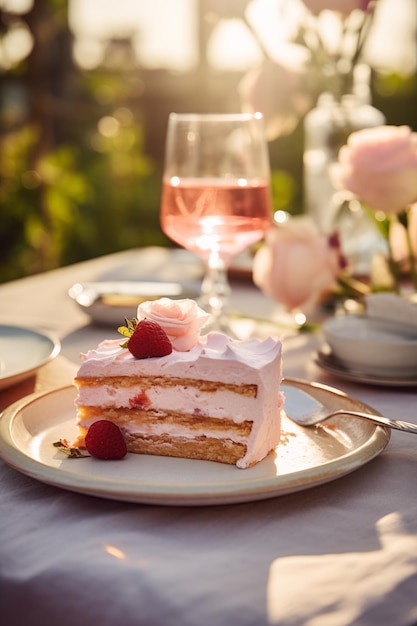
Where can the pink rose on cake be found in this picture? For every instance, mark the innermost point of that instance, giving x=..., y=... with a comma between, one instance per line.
x=182, y=320
x=298, y=263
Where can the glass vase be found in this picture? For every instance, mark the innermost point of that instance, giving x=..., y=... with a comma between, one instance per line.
x=326, y=129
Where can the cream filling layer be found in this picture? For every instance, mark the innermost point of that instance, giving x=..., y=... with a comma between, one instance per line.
x=190, y=400
x=173, y=431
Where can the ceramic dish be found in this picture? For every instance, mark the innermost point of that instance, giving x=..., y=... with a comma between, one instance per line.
x=326, y=360
x=109, y=303
x=305, y=457
x=22, y=352
x=366, y=344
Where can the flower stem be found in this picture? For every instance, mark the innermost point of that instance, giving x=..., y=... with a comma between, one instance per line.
x=353, y=287
x=411, y=257
x=392, y=262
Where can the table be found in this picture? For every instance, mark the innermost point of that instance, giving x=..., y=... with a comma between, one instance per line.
x=338, y=554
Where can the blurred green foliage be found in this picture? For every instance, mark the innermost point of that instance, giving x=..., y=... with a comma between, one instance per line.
x=94, y=196
x=76, y=181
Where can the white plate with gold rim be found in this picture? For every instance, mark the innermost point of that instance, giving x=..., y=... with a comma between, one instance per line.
x=22, y=352
x=306, y=457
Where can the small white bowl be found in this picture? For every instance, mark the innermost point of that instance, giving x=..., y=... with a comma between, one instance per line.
x=369, y=345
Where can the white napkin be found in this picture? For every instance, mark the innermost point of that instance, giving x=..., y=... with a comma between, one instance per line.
x=396, y=311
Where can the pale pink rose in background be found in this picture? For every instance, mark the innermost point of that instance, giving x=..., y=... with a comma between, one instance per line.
x=182, y=320
x=379, y=166
x=297, y=264
x=279, y=94
x=342, y=6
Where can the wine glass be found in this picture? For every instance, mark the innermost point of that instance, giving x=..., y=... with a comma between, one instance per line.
x=216, y=195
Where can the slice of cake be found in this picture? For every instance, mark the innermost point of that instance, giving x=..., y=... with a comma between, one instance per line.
x=210, y=398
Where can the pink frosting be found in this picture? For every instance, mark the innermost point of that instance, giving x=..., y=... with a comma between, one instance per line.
x=182, y=320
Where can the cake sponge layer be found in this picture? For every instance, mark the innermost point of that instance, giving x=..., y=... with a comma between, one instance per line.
x=201, y=448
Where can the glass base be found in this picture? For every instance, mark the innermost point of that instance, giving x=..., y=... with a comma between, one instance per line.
x=215, y=290
x=219, y=325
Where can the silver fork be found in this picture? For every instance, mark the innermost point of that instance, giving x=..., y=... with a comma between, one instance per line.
x=305, y=410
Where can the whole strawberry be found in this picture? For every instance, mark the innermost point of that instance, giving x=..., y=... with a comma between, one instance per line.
x=104, y=440
x=146, y=339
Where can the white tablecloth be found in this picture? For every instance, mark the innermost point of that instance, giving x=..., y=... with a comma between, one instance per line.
x=335, y=555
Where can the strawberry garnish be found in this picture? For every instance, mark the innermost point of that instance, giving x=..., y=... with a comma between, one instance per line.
x=104, y=440
x=146, y=339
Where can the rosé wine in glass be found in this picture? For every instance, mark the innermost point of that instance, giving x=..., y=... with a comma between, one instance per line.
x=216, y=194
x=232, y=215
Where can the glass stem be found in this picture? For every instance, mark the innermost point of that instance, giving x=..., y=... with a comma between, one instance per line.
x=215, y=290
